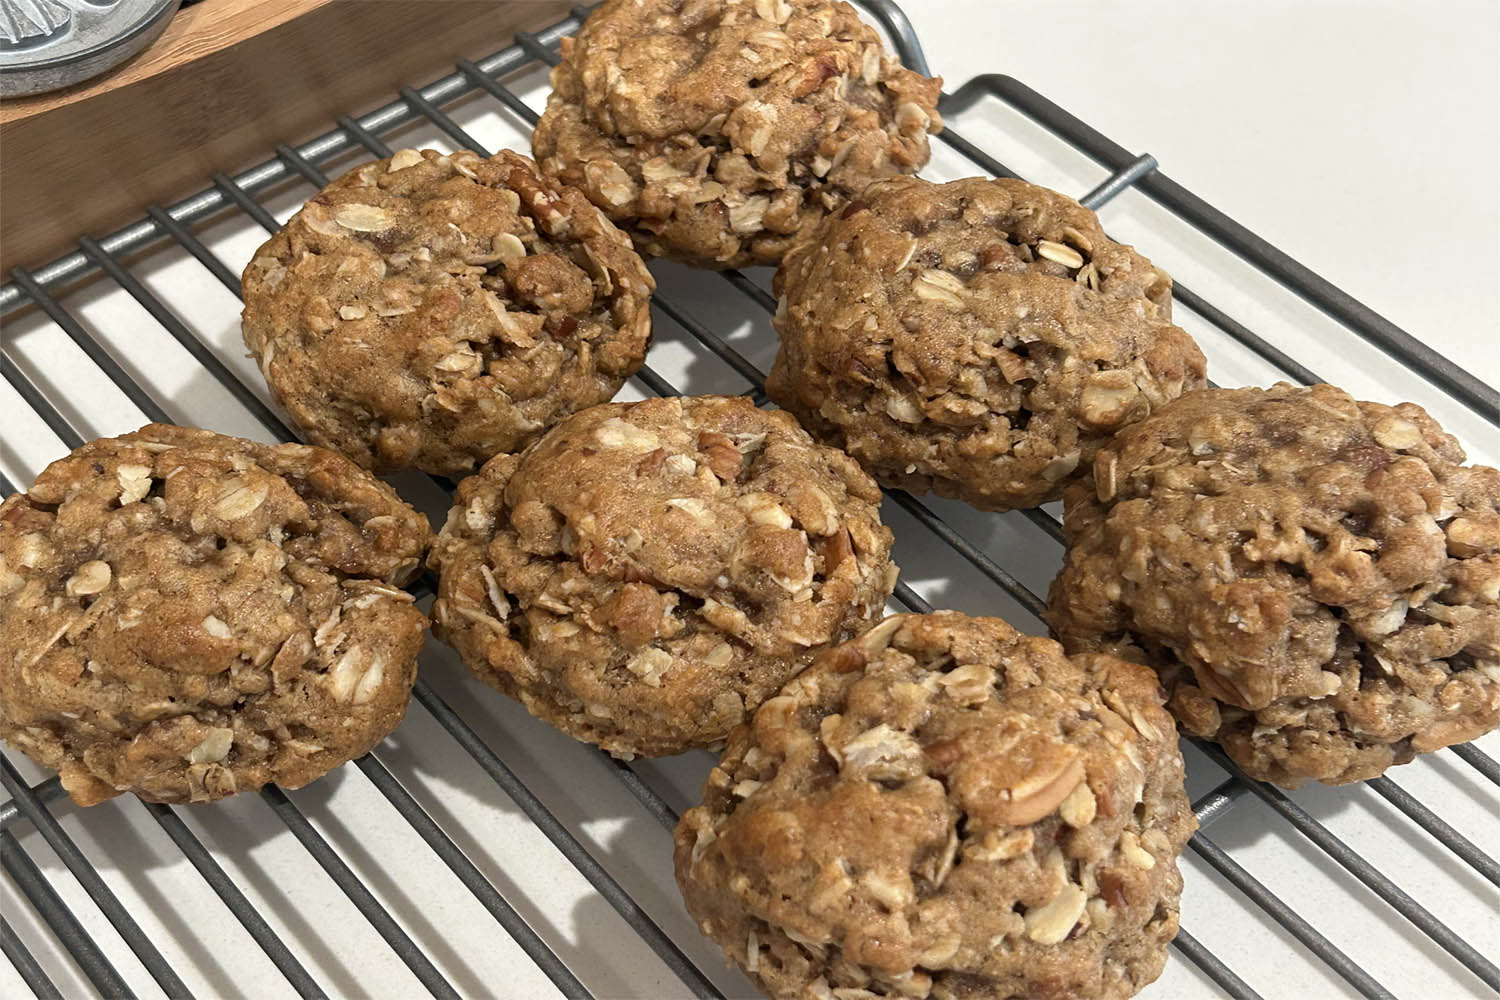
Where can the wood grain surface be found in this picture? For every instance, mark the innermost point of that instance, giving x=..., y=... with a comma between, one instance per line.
x=226, y=82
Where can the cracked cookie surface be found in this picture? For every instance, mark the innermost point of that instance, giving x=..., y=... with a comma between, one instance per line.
x=719, y=132
x=945, y=807
x=1316, y=579
x=647, y=573
x=184, y=615
x=435, y=310
x=979, y=339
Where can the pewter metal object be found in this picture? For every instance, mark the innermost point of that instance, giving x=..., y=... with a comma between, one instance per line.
x=49, y=44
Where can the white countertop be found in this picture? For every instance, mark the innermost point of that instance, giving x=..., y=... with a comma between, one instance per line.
x=1362, y=138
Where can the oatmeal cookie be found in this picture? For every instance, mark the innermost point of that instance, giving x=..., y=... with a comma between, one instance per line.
x=979, y=339
x=647, y=573
x=945, y=807
x=185, y=615
x=719, y=131
x=434, y=310
x=1317, y=580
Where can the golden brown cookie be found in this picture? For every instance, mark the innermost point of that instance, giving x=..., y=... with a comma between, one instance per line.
x=979, y=339
x=718, y=131
x=945, y=807
x=435, y=310
x=1317, y=580
x=185, y=615
x=647, y=573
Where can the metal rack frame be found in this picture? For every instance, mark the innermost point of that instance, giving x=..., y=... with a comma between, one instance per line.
x=29, y=803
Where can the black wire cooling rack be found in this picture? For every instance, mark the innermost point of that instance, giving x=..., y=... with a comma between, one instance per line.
x=42, y=288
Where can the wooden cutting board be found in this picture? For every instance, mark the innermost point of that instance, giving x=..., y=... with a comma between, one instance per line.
x=226, y=82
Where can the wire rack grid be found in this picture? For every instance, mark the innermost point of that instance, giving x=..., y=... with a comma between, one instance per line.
x=72, y=872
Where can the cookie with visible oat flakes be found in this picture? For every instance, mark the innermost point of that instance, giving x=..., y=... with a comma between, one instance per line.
x=1316, y=579
x=944, y=807
x=979, y=339
x=185, y=615
x=434, y=310
x=647, y=573
x=720, y=131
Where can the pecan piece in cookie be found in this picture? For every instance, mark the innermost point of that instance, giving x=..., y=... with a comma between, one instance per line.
x=945, y=807
x=979, y=339
x=185, y=615
x=1316, y=579
x=434, y=310
x=647, y=573
x=719, y=132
